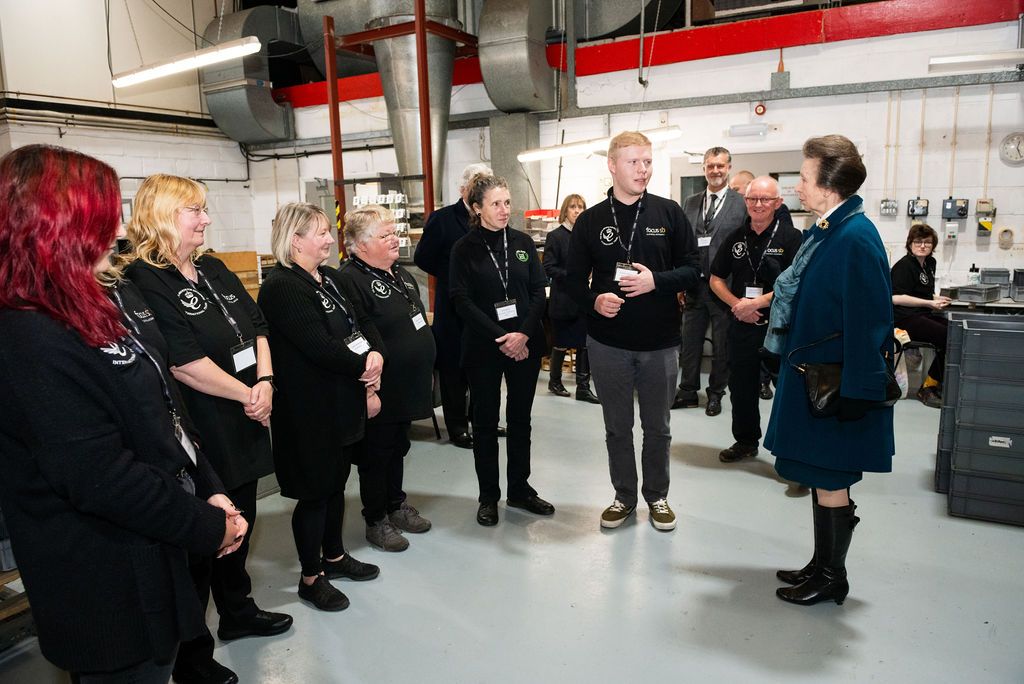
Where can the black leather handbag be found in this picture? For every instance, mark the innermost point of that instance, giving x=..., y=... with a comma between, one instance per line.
x=821, y=380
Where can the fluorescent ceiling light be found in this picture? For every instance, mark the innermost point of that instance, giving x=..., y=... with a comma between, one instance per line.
x=999, y=59
x=593, y=146
x=740, y=130
x=188, y=61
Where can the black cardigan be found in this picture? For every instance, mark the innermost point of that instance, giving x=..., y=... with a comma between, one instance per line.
x=98, y=522
x=556, y=264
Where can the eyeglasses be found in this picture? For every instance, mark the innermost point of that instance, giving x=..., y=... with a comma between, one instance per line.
x=387, y=236
x=197, y=210
x=922, y=243
x=759, y=200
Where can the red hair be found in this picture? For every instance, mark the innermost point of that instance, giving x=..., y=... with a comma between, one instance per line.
x=59, y=212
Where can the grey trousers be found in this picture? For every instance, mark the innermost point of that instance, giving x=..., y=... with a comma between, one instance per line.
x=617, y=374
x=696, y=316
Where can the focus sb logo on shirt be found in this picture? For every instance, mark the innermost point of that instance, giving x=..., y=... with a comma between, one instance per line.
x=119, y=354
x=146, y=316
x=230, y=298
x=739, y=250
x=380, y=289
x=192, y=301
x=327, y=303
x=609, y=235
x=660, y=231
x=522, y=255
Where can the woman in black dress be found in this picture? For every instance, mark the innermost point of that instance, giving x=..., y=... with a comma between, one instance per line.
x=497, y=286
x=330, y=360
x=918, y=310
x=570, y=327
x=390, y=296
x=218, y=351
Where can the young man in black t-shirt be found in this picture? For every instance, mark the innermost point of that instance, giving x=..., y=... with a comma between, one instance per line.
x=641, y=252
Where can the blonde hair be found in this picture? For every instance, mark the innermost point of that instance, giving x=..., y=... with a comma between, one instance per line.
x=359, y=224
x=294, y=218
x=153, y=229
x=567, y=202
x=627, y=139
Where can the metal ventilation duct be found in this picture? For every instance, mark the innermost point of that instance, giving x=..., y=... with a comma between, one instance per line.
x=596, y=20
x=238, y=92
x=349, y=17
x=513, y=57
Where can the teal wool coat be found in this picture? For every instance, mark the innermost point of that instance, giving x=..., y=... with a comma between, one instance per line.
x=845, y=288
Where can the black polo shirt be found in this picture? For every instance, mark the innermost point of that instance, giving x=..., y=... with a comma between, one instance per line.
x=909, y=277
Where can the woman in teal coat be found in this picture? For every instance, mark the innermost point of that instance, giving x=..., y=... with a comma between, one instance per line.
x=839, y=283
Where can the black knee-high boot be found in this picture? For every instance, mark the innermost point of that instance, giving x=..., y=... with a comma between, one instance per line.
x=804, y=573
x=583, y=392
x=834, y=530
x=555, y=383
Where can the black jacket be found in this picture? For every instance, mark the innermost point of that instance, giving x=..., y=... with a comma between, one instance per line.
x=97, y=519
x=476, y=287
x=909, y=278
x=443, y=229
x=665, y=244
x=556, y=260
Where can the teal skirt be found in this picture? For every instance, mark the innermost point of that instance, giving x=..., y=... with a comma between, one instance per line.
x=814, y=477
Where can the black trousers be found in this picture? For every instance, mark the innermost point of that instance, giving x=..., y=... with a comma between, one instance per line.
x=316, y=526
x=226, y=578
x=931, y=329
x=454, y=402
x=485, y=384
x=745, y=380
x=382, y=468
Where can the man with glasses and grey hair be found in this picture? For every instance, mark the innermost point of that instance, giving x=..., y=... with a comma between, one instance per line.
x=743, y=275
x=443, y=229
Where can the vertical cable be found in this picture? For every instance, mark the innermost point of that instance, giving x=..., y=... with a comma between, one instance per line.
x=988, y=139
x=952, y=143
x=920, y=158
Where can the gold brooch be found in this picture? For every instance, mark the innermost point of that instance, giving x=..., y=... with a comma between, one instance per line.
x=823, y=224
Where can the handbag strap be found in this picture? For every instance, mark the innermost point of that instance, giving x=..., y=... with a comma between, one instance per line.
x=789, y=357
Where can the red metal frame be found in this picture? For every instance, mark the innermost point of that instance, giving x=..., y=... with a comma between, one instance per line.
x=330, y=61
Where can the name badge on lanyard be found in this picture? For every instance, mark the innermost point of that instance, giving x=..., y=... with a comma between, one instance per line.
x=753, y=290
x=244, y=356
x=624, y=269
x=418, y=321
x=357, y=344
x=184, y=439
x=704, y=241
x=506, y=309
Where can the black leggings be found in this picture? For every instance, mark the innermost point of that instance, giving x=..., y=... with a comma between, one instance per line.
x=316, y=525
x=930, y=329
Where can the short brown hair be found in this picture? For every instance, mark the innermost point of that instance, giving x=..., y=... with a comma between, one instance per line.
x=715, y=151
x=840, y=167
x=922, y=231
x=478, y=187
x=567, y=202
x=627, y=139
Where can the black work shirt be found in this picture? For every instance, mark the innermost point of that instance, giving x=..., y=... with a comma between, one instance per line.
x=664, y=243
x=753, y=260
x=909, y=277
x=391, y=299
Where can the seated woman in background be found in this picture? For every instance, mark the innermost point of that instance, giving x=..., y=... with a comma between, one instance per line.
x=917, y=309
x=99, y=483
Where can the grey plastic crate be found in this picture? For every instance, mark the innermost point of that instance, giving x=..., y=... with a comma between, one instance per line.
x=978, y=293
x=991, y=352
x=997, y=440
x=987, y=401
x=6, y=556
x=943, y=470
x=947, y=426
x=1017, y=293
x=986, y=498
x=990, y=462
x=996, y=276
x=955, y=331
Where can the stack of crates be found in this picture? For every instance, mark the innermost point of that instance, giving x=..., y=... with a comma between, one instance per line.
x=987, y=459
x=6, y=555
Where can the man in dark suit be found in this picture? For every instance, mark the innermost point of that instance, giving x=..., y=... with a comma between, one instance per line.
x=443, y=229
x=713, y=214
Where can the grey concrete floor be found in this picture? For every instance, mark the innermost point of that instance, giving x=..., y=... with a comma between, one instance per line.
x=933, y=598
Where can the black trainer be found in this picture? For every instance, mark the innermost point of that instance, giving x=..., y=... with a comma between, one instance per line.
x=323, y=595
x=349, y=568
x=737, y=452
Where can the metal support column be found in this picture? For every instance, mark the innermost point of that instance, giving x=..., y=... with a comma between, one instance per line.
x=331, y=63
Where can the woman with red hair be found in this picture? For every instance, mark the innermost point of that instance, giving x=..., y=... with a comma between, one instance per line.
x=100, y=482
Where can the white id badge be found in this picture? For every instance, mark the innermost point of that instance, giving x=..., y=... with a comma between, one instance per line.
x=624, y=269
x=752, y=291
x=704, y=241
x=357, y=344
x=186, y=444
x=418, y=321
x=506, y=310
x=244, y=356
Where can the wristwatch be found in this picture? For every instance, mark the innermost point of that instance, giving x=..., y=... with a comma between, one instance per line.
x=268, y=378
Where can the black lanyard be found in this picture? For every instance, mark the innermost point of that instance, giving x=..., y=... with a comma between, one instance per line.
x=765, y=251
x=503, y=275
x=337, y=298
x=636, y=219
x=224, y=309
x=385, y=275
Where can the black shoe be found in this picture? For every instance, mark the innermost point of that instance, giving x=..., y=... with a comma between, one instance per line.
x=929, y=397
x=534, y=504
x=487, y=514
x=737, y=452
x=502, y=432
x=322, y=595
x=584, y=394
x=557, y=388
x=463, y=440
x=714, y=406
x=833, y=530
x=684, y=401
x=349, y=568
x=766, y=391
x=210, y=672
x=263, y=623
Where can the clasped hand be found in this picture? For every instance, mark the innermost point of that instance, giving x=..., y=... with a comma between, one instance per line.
x=261, y=402
x=746, y=310
x=235, y=526
x=940, y=302
x=371, y=372
x=513, y=345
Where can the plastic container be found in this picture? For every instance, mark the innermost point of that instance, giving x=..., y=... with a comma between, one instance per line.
x=978, y=293
x=984, y=401
x=943, y=470
x=1018, y=276
x=995, y=276
x=986, y=498
x=1005, y=466
x=992, y=353
x=1017, y=293
x=1001, y=441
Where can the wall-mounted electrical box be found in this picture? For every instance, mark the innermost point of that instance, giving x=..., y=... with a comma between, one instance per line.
x=889, y=207
x=984, y=207
x=954, y=208
x=917, y=207
x=985, y=228
x=952, y=229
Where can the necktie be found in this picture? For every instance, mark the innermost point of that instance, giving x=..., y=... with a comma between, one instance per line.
x=710, y=214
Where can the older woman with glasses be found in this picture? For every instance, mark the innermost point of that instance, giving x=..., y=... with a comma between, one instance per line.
x=329, y=353
x=391, y=298
x=218, y=351
x=917, y=309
